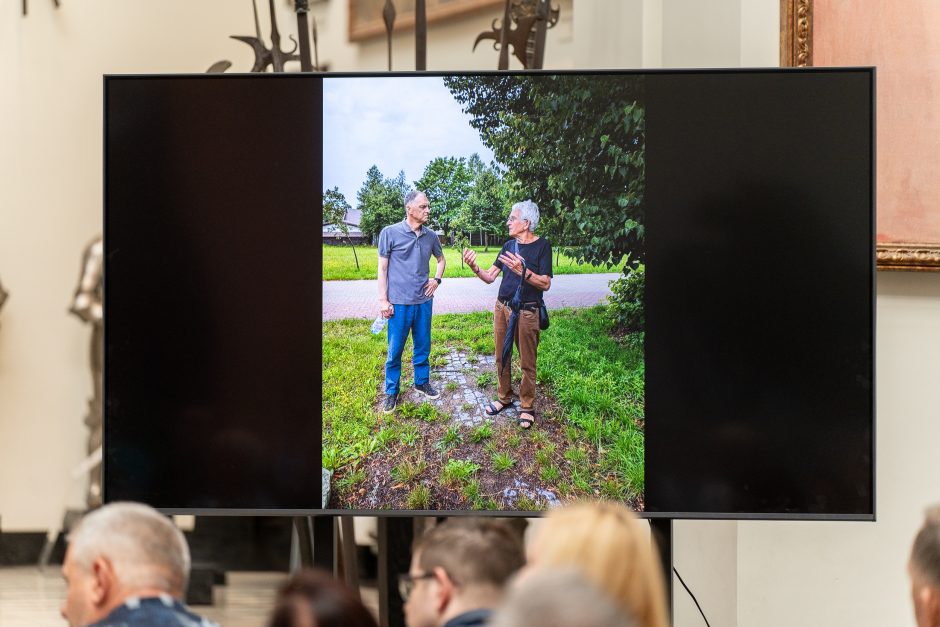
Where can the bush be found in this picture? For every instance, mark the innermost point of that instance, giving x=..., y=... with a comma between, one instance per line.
x=626, y=310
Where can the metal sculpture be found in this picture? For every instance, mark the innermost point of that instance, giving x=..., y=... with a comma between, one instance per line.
x=421, y=35
x=532, y=18
x=388, y=15
x=25, y=7
x=301, y=7
x=264, y=56
x=88, y=304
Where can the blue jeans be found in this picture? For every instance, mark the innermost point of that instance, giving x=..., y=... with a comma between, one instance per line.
x=417, y=319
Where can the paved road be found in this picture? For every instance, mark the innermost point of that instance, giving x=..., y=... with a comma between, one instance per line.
x=357, y=299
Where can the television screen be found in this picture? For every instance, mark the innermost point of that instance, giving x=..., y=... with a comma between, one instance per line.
x=491, y=292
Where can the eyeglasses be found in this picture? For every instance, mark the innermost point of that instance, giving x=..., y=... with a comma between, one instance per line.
x=407, y=581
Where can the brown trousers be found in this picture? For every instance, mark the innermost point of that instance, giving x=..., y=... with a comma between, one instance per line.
x=527, y=341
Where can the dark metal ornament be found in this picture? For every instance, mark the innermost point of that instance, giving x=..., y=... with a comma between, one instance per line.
x=532, y=18
x=301, y=7
x=421, y=35
x=26, y=2
x=264, y=56
x=388, y=14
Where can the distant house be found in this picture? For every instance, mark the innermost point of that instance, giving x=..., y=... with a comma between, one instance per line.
x=332, y=234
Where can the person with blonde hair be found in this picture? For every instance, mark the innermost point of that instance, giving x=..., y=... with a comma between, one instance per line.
x=609, y=546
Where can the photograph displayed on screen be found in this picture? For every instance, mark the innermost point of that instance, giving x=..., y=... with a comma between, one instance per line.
x=454, y=209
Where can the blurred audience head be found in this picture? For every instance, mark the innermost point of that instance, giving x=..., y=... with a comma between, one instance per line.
x=924, y=569
x=119, y=551
x=314, y=599
x=459, y=569
x=612, y=549
x=559, y=598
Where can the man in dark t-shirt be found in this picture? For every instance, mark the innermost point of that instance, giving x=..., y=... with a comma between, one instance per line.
x=525, y=259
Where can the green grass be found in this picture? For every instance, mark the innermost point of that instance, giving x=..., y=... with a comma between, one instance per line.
x=458, y=471
x=419, y=497
x=596, y=381
x=408, y=470
x=486, y=379
x=338, y=263
x=483, y=432
x=502, y=462
x=450, y=439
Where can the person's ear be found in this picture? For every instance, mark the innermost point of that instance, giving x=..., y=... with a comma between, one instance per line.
x=104, y=580
x=445, y=589
x=930, y=601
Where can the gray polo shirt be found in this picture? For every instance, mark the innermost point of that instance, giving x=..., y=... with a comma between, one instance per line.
x=408, y=256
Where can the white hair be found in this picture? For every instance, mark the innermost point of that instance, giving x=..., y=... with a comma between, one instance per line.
x=144, y=547
x=411, y=195
x=558, y=598
x=528, y=210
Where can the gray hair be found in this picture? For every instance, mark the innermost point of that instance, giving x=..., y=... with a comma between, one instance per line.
x=925, y=555
x=559, y=598
x=144, y=547
x=528, y=210
x=411, y=195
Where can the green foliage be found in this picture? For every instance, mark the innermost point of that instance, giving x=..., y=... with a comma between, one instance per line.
x=447, y=182
x=335, y=208
x=419, y=497
x=483, y=432
x=451, y=438
x=381, y=200
x=550, y=473
x=576, y=456
x=424, y=412
x=576, y=146
x=408, y=470
x=526, y=504
x=486, y=379
x=458, y=471
x=471, y=492
x=350, y=479
x=626, y=310
x=502, y=462
x=451, y=386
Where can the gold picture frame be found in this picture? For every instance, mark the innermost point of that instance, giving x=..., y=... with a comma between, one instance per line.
x=365, y=16
x=867, y=39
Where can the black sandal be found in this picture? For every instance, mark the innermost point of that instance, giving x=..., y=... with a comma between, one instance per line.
x=492, y=410
x=526, y=423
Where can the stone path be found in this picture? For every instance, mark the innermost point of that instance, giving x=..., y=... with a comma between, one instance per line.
x=358, y=299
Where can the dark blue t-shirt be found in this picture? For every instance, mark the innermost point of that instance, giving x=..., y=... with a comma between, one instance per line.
x=538, y=258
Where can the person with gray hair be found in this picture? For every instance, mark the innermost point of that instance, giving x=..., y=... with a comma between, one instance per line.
x=526, y=263
x=127, y=564
x=558, y=598
x=406, y=294
x=924, y=569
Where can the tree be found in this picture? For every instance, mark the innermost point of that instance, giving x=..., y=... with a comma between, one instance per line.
x=576, y=146
x=381, y=201
x=335, y=209
x=446, y=182
x=484, y=210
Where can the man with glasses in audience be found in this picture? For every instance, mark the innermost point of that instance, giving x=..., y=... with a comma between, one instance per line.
x=406, y=294
x=458, y=573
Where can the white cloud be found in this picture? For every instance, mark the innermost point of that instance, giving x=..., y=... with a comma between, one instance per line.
x=393, y=122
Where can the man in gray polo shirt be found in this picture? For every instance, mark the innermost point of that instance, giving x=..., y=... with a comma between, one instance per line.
x=406, y=294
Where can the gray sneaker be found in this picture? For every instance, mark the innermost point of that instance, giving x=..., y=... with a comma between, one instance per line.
x=427, y=390
x=391, y=401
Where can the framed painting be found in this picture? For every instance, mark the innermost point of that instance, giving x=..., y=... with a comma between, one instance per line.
x=898, y=38
x=365, y=16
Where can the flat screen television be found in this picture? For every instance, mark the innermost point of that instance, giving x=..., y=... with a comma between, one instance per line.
x=703, y=242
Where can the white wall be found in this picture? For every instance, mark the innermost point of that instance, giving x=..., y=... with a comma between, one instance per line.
x=51, y=63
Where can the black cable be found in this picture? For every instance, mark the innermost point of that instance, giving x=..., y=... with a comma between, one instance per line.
x=691, y=595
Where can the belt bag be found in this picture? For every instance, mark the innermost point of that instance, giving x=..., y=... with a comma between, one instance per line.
x=543, y=315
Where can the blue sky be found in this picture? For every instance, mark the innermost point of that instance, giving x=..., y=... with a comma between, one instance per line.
x=394, y=122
